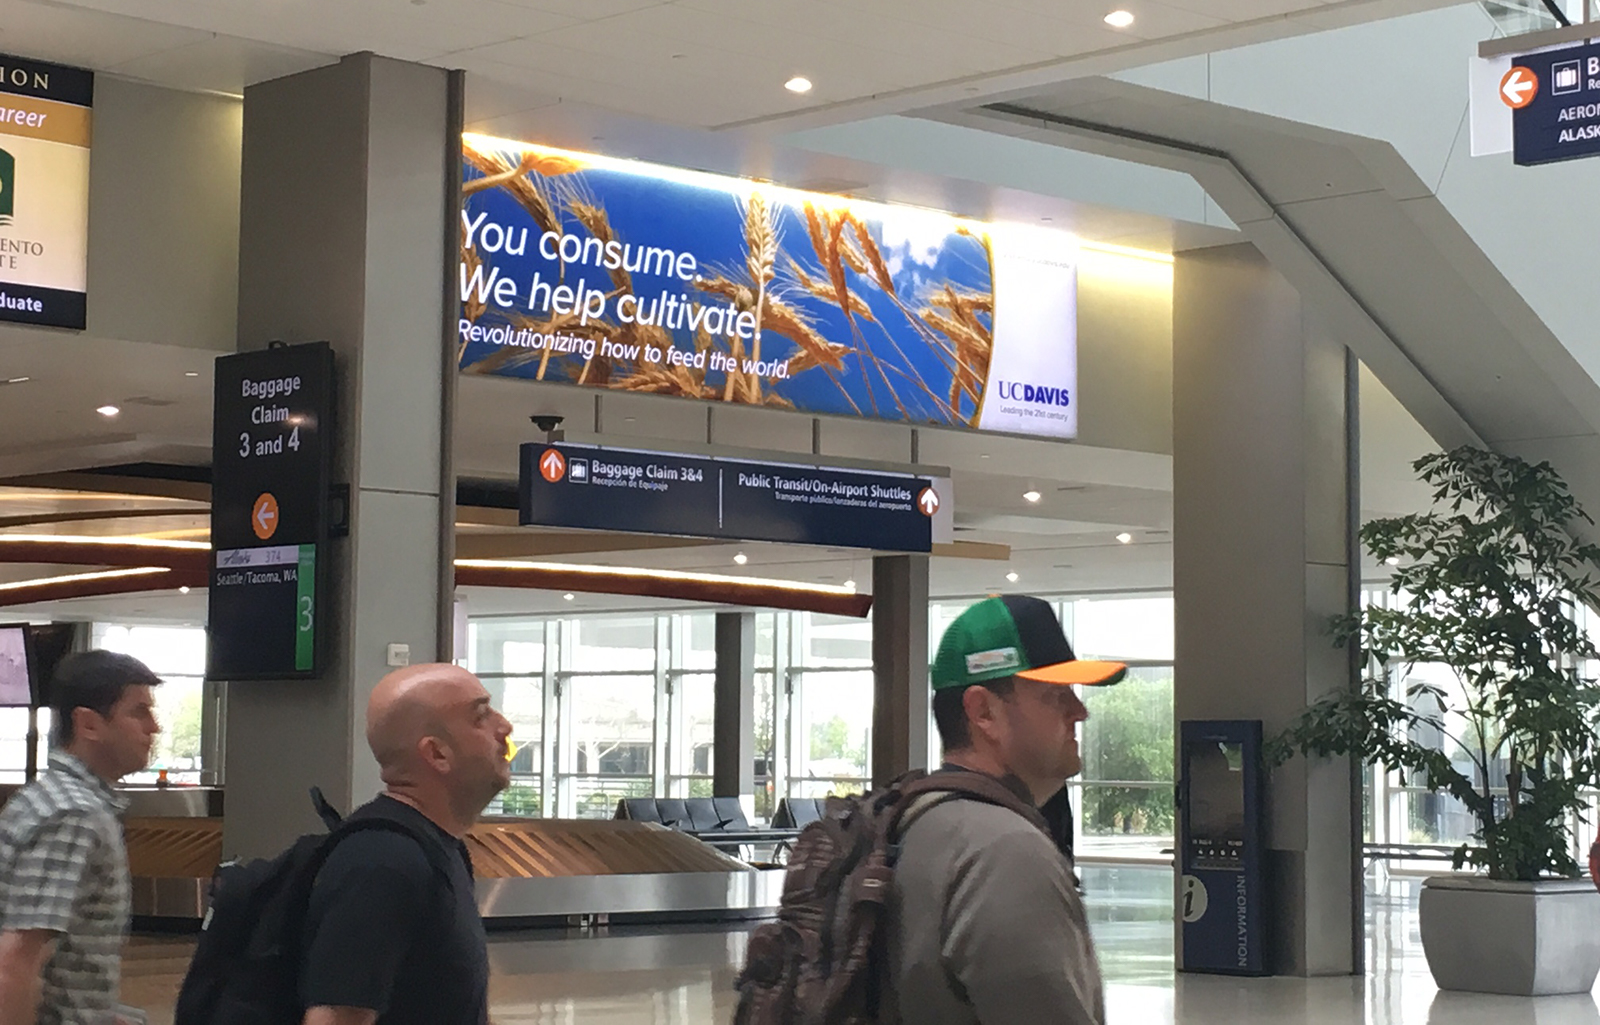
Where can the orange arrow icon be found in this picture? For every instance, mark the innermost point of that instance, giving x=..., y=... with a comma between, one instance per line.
x=552, y=465
x=928, y=501
x=1518, y=88
x=264, y=516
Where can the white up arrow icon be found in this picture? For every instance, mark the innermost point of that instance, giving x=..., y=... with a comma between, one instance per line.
x=928, y=501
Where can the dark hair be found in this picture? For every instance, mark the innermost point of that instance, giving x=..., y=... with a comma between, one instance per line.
x=95, y=680
x=950, y=713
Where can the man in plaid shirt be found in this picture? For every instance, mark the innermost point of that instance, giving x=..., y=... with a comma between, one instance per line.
x=64, y=889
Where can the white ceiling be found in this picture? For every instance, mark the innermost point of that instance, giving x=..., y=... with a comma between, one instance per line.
x=689, y=62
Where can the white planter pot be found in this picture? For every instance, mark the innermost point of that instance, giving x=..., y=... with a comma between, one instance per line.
x=1524, y=939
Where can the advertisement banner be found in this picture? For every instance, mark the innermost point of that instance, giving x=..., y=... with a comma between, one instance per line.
x=615, y=274
x=44, y=191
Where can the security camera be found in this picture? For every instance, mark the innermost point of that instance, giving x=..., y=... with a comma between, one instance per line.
x=546, y=422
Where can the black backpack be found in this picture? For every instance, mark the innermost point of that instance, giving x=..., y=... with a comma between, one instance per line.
x=246, y=966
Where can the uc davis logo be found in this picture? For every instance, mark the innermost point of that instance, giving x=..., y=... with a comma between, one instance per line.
x=1017, y=391
x=8, y=186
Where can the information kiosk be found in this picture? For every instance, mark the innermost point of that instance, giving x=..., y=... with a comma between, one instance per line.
x=1220, y=848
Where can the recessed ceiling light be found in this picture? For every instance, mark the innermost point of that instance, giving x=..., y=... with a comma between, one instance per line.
x=1119, y=19
x=798, y=84
x=851, y=584
x=108, y=410
x=1032, y=496
x=18, y=380
x=184, y=589
x=1392, y=560
x=741, y=558
x=983, y=455
x=191, y=373
x=1125, y=537
x=1012, y=577
x=568, y=596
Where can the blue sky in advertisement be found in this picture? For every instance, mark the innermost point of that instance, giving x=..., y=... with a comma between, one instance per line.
x=619, y=275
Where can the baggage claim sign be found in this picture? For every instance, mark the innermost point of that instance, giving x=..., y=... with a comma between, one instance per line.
x=44, y=192
x=607, y=273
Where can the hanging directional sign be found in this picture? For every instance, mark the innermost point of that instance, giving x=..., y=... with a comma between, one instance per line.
x=269, y=497
x=1554, y=97
x=587, y=486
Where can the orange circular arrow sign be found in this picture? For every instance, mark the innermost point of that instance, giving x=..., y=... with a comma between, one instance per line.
x=552, y=465
x=264, y=516
x=1518, y=88
x=928, y=501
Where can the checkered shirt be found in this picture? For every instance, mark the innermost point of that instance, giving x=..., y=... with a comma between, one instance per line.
x=64, y=869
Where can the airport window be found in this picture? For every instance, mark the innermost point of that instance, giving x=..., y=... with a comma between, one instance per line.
x=1122, y=801
x=612, y=725
x=14, y=743
x=177, y=654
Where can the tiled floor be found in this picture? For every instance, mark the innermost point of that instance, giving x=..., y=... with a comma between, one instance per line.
x=684, y=976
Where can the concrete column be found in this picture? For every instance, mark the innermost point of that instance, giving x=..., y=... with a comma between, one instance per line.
x=347, y=228
x=734, y=729
x=900, y=695
x=1261, y=495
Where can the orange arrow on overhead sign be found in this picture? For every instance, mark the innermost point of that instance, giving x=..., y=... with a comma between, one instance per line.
x=928, y=501
x=1518, y=88
x=552, y=465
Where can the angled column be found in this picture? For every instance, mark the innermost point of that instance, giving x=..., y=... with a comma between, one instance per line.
x=1261, y=561
x=901, y=700
x=348, y=198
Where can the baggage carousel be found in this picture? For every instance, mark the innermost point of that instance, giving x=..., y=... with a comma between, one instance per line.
x=531, y=872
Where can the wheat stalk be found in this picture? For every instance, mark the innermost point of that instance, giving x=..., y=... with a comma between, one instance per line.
x=822, y=290
x=761, y=253
x=528, y=194
x=869, y=246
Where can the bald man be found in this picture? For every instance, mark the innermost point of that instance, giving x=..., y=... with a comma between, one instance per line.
x=393, y=935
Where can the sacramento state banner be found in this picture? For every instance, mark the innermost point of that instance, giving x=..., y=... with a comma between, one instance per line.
x=614, y=274
x=44, y=192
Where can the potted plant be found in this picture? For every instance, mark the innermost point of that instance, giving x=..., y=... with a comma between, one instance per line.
x=1487, y=586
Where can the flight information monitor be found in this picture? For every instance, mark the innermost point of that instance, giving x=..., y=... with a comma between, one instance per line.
x=16, y=688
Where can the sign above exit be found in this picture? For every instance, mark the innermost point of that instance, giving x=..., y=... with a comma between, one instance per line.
x=1555, y=100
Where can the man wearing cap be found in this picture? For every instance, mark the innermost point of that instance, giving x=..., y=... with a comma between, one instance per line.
x=986, y=926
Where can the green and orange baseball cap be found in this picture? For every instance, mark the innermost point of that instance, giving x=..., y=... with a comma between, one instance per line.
x=1013, y=635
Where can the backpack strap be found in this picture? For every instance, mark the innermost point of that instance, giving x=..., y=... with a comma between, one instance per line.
x=925, y=792
x=377, y=823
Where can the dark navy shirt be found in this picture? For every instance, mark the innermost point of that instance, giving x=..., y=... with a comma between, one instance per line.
x=385, y=932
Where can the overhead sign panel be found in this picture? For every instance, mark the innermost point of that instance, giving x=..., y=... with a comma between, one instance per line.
x=587, y=486
x=615, y=274
x=1555, y=101
x=45, y=121
x=269, y=495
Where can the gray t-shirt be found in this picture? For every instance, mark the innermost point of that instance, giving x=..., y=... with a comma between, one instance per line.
x=986, y=926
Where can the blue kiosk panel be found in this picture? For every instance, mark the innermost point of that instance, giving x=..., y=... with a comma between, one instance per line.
x=1220, y=848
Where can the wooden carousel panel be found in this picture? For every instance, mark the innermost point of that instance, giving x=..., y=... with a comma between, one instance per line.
x=176, y=848
x=535, y=848
x=166, y=848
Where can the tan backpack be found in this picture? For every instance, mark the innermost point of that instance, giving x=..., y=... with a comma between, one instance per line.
x=824, y=961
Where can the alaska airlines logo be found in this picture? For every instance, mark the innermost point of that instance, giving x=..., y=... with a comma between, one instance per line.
x=1017, y=391
x=8, y=186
